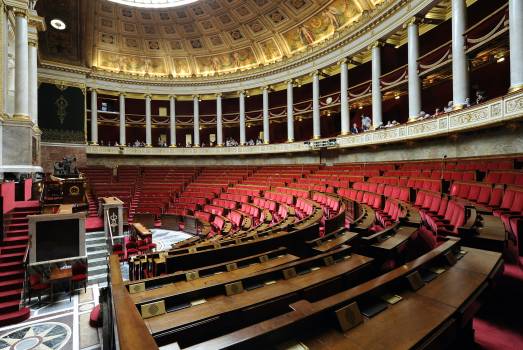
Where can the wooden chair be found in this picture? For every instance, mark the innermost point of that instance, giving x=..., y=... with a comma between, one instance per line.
x=79, y=275
x=36, y=285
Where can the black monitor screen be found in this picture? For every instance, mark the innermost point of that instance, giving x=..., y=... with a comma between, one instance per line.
x=57, y=239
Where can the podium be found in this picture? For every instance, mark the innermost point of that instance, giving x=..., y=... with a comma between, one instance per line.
x=112, y=209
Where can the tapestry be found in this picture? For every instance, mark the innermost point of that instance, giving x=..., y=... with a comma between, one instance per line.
x=61, y=113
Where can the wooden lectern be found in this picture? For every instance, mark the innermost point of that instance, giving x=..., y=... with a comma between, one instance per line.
x=112, y=208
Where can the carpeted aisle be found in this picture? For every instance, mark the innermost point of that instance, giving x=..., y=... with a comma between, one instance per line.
x=499, y=324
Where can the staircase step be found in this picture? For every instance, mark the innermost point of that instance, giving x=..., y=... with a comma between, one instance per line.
x=92, y=262
x=11, y=257
x=16, y=239
x=7, y=275
x=14, y=317
x=12, y=248
x=9, y=265
x=15, y=232
x=11, y=294
x=9, y=306
x=16, y=283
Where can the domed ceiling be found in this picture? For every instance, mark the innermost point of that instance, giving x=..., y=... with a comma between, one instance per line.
x=206, y=37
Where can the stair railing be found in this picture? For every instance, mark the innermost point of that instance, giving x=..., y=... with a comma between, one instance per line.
x=25, y=264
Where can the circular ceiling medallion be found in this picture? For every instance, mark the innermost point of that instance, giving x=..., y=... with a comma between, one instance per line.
x=154, y=3
x=58, y=24
x=47, y=335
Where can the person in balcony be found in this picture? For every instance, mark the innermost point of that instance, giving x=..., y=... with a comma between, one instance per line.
x=449, y=107
x=366, y=122
x=480, y=96
x=354, y=129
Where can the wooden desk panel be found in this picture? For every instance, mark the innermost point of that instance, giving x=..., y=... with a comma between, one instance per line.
x=480, y=261
x=223, y=304
x=225, y=277
x=400, y=237
x=394, y=328
x=335, y=242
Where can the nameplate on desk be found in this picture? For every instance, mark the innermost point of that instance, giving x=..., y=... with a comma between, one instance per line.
x=264, y=258
x=136, y=288
x=234, y=288
x=415, y=280
x=328, y=260
x=349, y=316
x=153, y=309
x=450, y=257
x=289, y=273
x=192, y=275
x=231, y=266
x=192, y=250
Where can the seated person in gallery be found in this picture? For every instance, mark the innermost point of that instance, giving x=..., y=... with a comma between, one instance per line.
x=251, y=142
x=449, y=107
x=354, y=129
x=480, y=96
x=366, y=122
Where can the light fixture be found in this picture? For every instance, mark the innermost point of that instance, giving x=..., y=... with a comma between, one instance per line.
x=501, y=59
x=58, y=24
x=397, y=97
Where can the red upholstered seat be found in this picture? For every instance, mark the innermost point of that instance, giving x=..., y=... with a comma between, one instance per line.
x=36, y=285
x=79, y=270
x=95, y=317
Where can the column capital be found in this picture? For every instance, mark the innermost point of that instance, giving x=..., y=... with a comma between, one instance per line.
x=218, y=94
x=378, y=43
x=18, y=11
x=122, y=94
x=172, y=97
x=289, y=81
x=344, y=60
x=315, y=72
x=148, y=96
x=241, y=92
x=95, y=90
x=196, y=97
x=413, y=20
x=33, y=42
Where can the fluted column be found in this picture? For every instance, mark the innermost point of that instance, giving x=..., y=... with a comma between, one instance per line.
x=460, y=75
x=316, y=126
x=376, y=85
x=516, y=44
x=172, y=120
x=148, y=124
x=219, y=122
x=344, y=97
x=21, y=66
x=290, y=111
x=94, y=117
x=196, y=120
x=33, y=81
x=266, y=137
x=242, y=118
x=414, y=81
x=123, y=141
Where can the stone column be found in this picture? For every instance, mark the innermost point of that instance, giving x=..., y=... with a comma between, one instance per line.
x=290, y=111
x=148, y=124
x=172, y=120
x=414, y=81
x=242, y=118
x=344, y=97
x=316, y=126
x=33, y=81
x=460, y=75
x=516, y=44
x=123, y=141
x=377, y=118
x=4, y=70
x=266, y=138
x=196, y=121
x=219, y=122
x=21, y=66
x=94, y=117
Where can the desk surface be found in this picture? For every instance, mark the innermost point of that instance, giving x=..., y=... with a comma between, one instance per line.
x=111, y=200
x=400, y=237
x=225, y=277
x=223, y=304
x=141, y=229
x=335, y=242
x=60, y=274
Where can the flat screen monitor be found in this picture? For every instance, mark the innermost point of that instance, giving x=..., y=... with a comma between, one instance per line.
x=57, y=239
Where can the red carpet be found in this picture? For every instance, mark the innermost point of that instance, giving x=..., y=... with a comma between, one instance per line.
x=499, y=324
x=94, y=224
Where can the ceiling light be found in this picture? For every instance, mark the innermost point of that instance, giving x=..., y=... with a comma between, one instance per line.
x=397, y=97
x=501, y=59
x=58, y=24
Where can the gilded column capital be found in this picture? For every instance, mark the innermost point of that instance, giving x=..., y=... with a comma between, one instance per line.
x=413, y=20
x=377, y=43
x=344, y=60
x=148, y=96
x=172, y=97
x=19, y=12
x=122, y=94
x=219, y=94
x=33, y=42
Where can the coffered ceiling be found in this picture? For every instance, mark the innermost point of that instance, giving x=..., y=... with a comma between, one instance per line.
x=206, y=37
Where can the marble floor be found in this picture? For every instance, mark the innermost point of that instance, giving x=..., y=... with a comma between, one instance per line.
x=64, y=323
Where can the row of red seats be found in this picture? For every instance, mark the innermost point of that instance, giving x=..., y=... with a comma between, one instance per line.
x=372, y=199
x=395, y=192
x=449, y=224
x=391, y=213
x=505, y=178
x=328, y=202
x=240, y=198
x=225, y=203
x=244, y=191
x=303, y=207
x=293, y=191
x=279, y=197
x=236, y=218
x=265, y=203
x=214, y=209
